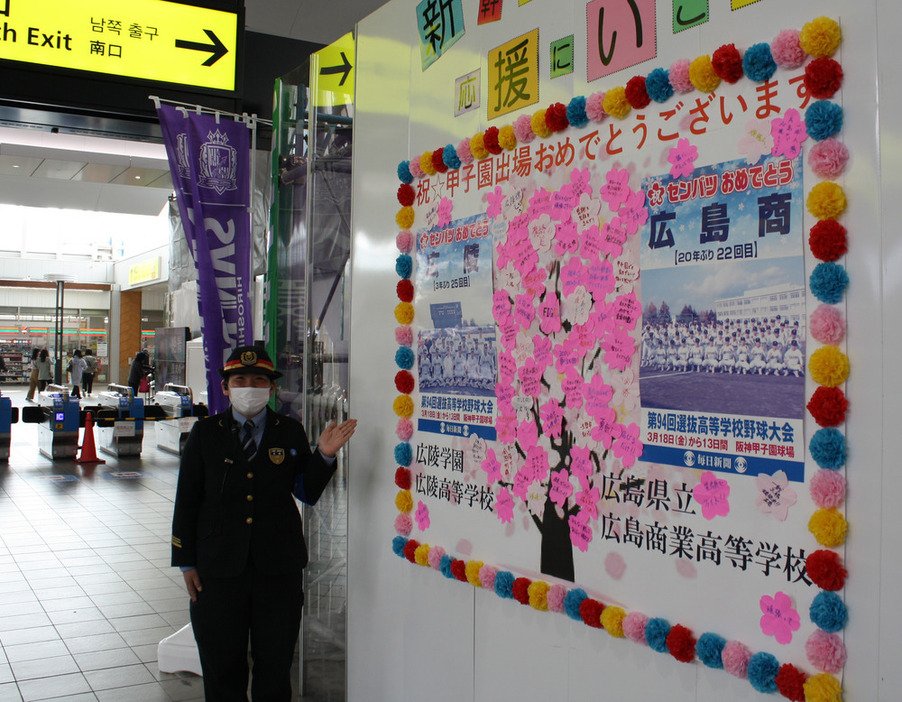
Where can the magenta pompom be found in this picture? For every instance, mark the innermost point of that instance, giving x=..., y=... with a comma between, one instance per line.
x=487, y=576
x=825, y=651
x=827, y=325
x=403, y=524
x=828, y=158
x=828, y=488
x=556, y=596
x=436, y=553
x=523, y=129
x=679, y=76
x=634, y=627
x=736, y=659
x=404, y=336
x=405, y=429
x=463, y=151
x=786, y=49
x=595, y=107
x=404, y=241
x=415, y=169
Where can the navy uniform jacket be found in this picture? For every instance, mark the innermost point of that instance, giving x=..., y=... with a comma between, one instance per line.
x=229, y=512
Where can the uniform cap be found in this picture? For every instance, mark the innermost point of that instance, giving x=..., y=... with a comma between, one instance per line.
x=249, y=359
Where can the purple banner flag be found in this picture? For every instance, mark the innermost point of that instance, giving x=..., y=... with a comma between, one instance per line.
x=209, y=159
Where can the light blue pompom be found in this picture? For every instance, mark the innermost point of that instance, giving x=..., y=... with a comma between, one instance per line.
x=828, y=448
x=450, y=157
x=758, y=63
x=572, y=601
x=403, y=454
x=404, y=174
x=762, y=671
x=576, y=112
x=656, y=631
x=823, y=119
x=657, y=85
x=504, y=584
x=828, y=282
x=828, y=611
x=397, y=545
x=709, y=650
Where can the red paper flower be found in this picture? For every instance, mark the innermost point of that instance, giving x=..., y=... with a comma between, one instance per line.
x=402, y=478
x=406, y=195
x=405, y=290
x=459, y=569
x=590, y=611
x=438, y=160
x=823, y=76
x=828, y=406
x=790, y=682
x=637, y=93
x=521, y=590
x=727, y=63
x=825, y=570
x=410, y=549
x=556, y=117
x=681, y=643
x=827, y=240
x=404, y=382
x=490, y=140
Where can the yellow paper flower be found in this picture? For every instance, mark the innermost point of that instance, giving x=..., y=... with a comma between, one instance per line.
x=507, y=138
x=405, y=217
x=404, y=313
x=702, y=75
x=829, y=366
x=612, y=621
x=829, y=527
x=820, y=37
x=421, y=555
x=477, y=146
x=403, y=406
x=537, y=122
x=472, y=571
x=538, y=595
x=426, y=163
x=822, y=687
x=403, y=501
x=615, y=102
x=826, y=200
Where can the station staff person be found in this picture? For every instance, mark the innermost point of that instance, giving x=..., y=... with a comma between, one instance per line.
x=237, y=535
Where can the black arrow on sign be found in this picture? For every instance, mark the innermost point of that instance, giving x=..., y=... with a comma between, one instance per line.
x=344, y=68
x=217, y=49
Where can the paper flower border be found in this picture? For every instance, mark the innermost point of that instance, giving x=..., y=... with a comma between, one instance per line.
x=818, y=39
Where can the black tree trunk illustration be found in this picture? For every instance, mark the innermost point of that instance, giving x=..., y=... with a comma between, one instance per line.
x=557, y=549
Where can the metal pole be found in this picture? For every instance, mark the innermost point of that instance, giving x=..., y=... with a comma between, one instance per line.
x=58, y=332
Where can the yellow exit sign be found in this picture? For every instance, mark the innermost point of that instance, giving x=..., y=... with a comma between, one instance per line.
x=148, y=39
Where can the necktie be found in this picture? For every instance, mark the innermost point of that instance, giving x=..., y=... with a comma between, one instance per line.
x=248, y=445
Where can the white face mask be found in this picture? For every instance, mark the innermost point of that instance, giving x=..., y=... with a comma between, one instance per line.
x=249, y=401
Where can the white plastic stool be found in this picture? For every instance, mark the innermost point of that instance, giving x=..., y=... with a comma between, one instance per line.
x=178, y=652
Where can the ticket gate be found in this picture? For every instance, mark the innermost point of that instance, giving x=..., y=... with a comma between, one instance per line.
x=58, y=416
x=120, y=421
x=177, y=402
x=9, y=415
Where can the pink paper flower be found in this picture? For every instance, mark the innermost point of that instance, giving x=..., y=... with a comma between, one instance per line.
x=682, y=158
x=616, y=189
x=779, y=619
x=788, y=132
x=713, y=494
x=757, y=141
x=775, y=495
x=679, y=76
x=422, y=516
x=826, y=651
x=828, y=158
x=504, y=506
x=491, y=466
x=827, y=325
x=444, y=211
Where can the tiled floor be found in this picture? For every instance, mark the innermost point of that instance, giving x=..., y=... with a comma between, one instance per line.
x=86, y=590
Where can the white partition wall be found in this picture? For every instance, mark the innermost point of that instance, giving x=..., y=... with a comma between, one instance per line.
x=416, y=634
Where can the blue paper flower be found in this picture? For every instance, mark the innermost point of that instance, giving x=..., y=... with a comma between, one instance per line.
x=504, y=584
x=404, y=357
x=656, y=631
x=450, y=157
x=397, y=545
x=572, y=601
x=763, y=669
x=828, y=611
x=709, y=649
x=445, y=567
x=404, y=174
x=828, y=448
x=828, y=282
x=403, y=454
x=403, y=266
x=758, y=63
x=823, y=119
x=576, y=112
x=657, y=84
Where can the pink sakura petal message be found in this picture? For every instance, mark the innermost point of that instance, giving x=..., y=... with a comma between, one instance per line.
x=626, y=272
x=614, y=191
x=507, y=428
x=713, y=494
x=578, y=305
x=600, y=279
x=580, y=178
x=494, y=198
x=524, y=310
x=581, y=465
x=682, y=158
x=510, y=462
x=535, y=500
x=580, y=531
x=503, y=253
x=504, y=391
x=530, y=378
x=432, y=216
x=501, y=306
x=628, y=447
x=585, y=335
x=422, y=516
x=541, y=233
x=561, y=489
x=572, y=342
x=606, y=428
x=613, y=237
x=627, y=311
x=540, y=203
x=551, y=415
x=603, y=319
x=566, y=239
x=588, y=500
x=633, y=213
x=567, y=356
x=527, y=434
x=512, y=205
x=572, y=385
x=507, y=276
x=523, y=349
x=518, y=231
x=537, y=462
x=572, y=274
x=591, y=243
x=541, y=351
x=775, y=495
x=550, y=314
x=522, y=481
x=619, y=348
x=534, y=281
x=598, y=395
x=525, y=258
x=563, y=202
x=509, y=330
x=504, y=506
x=444, y=211
x=582, y=427
x=585, y=214
x=779, y=618
x=492, y=467
x=788, y=133
x=757, y=140
x=477, y=450
x=522, y=405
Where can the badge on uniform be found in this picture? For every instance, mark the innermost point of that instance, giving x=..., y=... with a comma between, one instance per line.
x=277, y=455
